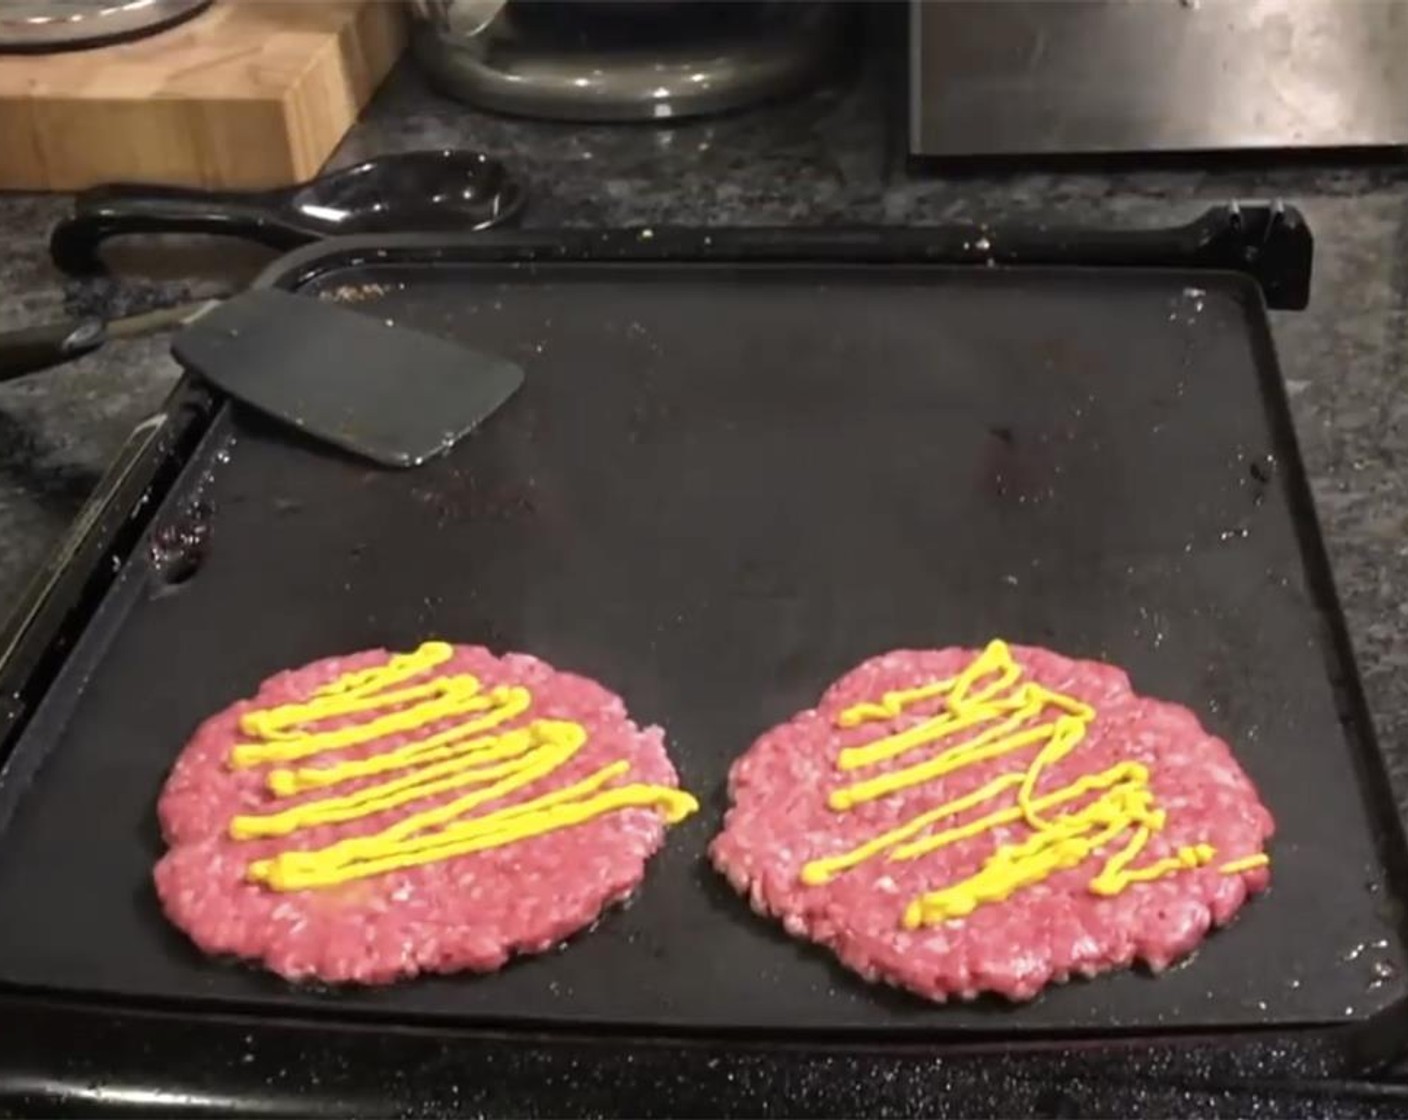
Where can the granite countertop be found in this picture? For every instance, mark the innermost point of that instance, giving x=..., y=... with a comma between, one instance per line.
x=833, y=157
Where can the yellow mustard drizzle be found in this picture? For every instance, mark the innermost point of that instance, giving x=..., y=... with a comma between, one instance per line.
x=1247, y=863
x=477, y=758
x=1005, y=715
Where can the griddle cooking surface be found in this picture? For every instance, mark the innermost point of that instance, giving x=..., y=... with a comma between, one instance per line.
x=718, y=490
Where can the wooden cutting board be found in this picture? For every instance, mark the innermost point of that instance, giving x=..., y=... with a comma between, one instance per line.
x=250, y=93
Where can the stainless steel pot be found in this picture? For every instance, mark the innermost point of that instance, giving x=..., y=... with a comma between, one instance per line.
x=639, y=61
x=39, y=26
x=458, y=19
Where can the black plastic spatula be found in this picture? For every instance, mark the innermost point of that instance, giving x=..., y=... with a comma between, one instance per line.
x=386, y=393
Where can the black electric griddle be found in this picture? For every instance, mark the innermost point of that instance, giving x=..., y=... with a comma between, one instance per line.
x=740, y=463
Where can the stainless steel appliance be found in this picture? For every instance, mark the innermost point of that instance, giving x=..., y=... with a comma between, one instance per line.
x=1012, y=77
x=605, y=61
x=53, y=25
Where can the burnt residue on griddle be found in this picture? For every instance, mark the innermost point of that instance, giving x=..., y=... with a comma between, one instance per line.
x=358, y=293
x=499, y=501
x=179, y=547
x=454, y=497
x=1261, y=470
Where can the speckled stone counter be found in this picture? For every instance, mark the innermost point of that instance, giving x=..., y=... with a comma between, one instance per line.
x=832, y=158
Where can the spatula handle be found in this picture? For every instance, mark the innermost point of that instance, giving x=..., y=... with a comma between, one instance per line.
x=120, y=209
x=30, y=349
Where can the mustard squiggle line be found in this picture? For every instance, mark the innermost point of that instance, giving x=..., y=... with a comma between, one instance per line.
x=989, y=698
x=477, y=753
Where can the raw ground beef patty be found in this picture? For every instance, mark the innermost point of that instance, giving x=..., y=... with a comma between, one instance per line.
x=1144, y=832
x=473, y=735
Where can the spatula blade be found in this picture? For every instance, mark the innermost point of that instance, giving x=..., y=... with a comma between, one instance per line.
x=387, y=393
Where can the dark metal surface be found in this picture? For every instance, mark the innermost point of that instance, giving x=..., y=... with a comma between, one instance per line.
x=1267, y=241
x=718, y=522
x=79, y=1055
x=1080, y=76
x=116, y=1062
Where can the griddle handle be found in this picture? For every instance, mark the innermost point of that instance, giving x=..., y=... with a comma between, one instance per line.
x=1269, y=241
x=119, y=209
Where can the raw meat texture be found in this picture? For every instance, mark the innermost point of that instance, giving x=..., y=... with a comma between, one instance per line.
x=470, y=912
x=1043, y=933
